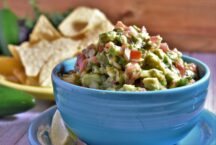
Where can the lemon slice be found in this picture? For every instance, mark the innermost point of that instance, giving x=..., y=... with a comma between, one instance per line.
x=59, y=134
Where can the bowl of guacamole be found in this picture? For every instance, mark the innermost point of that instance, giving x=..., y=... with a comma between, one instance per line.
x=129, y=59
x=130, y=88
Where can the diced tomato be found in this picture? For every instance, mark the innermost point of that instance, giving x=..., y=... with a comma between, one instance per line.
x=135, y=54
x=80, y=58
x=154, y=39
x=192, y=67
x=181, y=68
x=164, y=47
x=119, y=24
x=100, y=48
x=81, y=62
x=83, y=65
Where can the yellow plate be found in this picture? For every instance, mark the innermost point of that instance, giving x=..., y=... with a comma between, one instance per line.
x=36, y=91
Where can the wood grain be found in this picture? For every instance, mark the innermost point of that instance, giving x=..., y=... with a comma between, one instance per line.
x=13, y=130
x=186, y=24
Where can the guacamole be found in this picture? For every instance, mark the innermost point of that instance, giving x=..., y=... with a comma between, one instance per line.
x=129, y=59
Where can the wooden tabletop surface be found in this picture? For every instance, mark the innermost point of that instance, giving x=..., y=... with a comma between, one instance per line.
x=13, y=130
x=185, y=24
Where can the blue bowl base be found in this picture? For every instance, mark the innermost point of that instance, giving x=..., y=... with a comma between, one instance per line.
x=204, y=133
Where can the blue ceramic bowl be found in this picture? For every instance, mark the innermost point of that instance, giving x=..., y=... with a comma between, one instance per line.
x=101, y=117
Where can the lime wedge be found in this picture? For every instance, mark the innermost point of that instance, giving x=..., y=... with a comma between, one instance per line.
x=59, y=134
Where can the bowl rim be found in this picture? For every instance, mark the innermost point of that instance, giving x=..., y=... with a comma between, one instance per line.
x=33, y=89
x=57, y=80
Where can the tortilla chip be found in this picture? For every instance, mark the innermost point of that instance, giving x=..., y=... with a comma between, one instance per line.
x=44, y=30
x=80, y=21
x=14, y=52
x=66, y=48
x=47, y=48
x=12, y=78
x=93, y=34
x=20, y=75
x=32, y=81
x=34, y=57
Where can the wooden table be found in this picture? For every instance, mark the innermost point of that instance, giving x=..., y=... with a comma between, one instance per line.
x=13, y=130
x=187, y=24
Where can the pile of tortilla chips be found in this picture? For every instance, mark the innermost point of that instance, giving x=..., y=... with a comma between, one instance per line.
x=48, y=46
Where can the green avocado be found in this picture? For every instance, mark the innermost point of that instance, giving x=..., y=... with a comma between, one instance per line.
x=14, y=101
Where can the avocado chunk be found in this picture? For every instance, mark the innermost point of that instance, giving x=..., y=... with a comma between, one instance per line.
x=91, y=80
x=152, y=84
